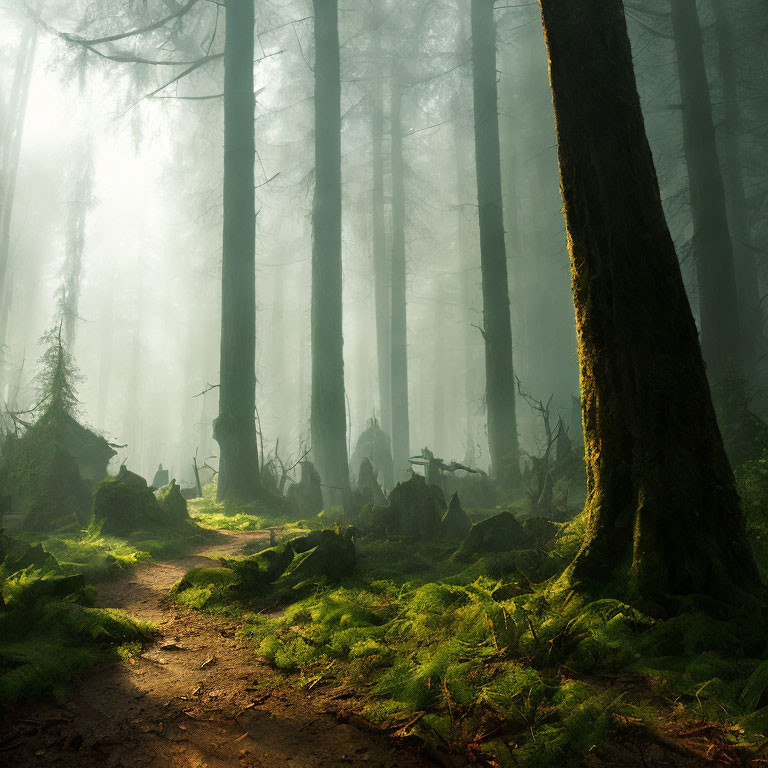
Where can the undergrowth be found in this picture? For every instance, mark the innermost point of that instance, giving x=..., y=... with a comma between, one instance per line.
x=208, y=511
x=532, y=682
x=48, y=632
x=96, y=557
x=481, y=655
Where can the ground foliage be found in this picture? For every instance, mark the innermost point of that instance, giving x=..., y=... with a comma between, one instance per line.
x=209, y=512
x=483, y=654
x=49, y=633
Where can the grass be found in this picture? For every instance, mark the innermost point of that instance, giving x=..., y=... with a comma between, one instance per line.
x=219, y=515
x=462, y=661
x=480, y=654
x=49, y=633
x=96, y=557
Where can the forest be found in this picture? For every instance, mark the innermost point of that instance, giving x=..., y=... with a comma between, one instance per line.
x=383, y=383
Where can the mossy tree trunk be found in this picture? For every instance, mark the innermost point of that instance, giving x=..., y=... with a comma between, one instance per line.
x=663, y=512
x=329, y=415
x=235, y=427
x=401, y=438
x=497, y=331
x=712, y=248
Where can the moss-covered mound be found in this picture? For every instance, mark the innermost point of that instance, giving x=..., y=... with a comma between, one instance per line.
x=48, y=633
x=540, y=532
x=500, y=533
x=49, y=463
x=271, y=575
x=455, y=524
x=172, y=503
x=125, y=505
x=415, y=510
x=45, y=491
x=322, y=554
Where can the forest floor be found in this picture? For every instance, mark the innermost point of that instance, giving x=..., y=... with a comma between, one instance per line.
x=196, y=697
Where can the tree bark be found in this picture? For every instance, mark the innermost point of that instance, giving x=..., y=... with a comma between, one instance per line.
x=713, y=252
x=381, y=270
x=500, y=377
x=663, y=513
x=399, y=337
x=10, y=154
x=72, y=272
x=747, y=285
x=329, y=415
x=235, y=427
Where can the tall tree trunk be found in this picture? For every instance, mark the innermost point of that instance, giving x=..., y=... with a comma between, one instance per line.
x=500, y=377
x=713, y=252
x=329, y=414
x=401, y=439
x=467, y=265
x=10, y=154
x=72, y=271
x=381, y=270
x=235, y=427
x=663, y=512
x=441, y=355
x=106, y=347
x=133, y=425
x=752, y=321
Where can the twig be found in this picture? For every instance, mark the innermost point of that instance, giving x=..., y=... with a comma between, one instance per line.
x=207, y=389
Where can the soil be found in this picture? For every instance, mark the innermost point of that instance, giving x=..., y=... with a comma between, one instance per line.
x=196, y=697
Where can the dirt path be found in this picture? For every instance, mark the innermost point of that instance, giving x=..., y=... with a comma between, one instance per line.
x=195, y=698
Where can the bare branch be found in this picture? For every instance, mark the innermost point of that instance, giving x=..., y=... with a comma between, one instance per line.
x=207, y=389
x=184, y=9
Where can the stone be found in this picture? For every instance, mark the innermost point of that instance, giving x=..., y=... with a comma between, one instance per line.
x=333, y=557
x=417, y=509
x=499, y=533
x=172, y=503
x=125, y=504
x=455, y=524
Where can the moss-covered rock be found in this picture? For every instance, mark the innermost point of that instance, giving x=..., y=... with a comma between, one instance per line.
x=417, y=509
x=499, y=533
x=539, y=531
x=43, y=484
x=256, y=572
x=269, y=576
x=125, y=504
x=333, y=557
x=51, y=588
x=455, y=524
x=378, y=521
x=173, y=504
x=19, y=555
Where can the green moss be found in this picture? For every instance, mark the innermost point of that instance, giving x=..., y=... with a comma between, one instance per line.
x=209, y=588
x=488, y=643
x=45, y=644
x=48, y=632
